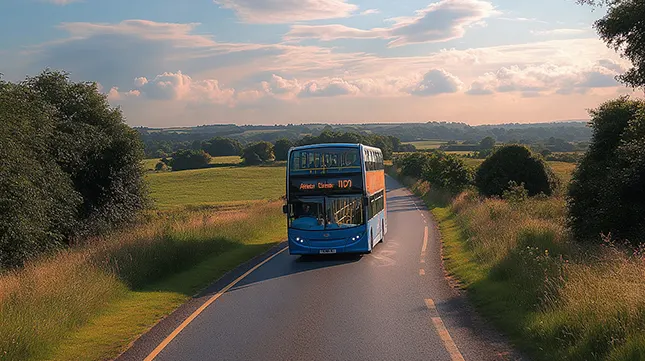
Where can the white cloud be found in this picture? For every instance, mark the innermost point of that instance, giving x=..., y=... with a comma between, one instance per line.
x=559, y=32
x=62, y=2
x=437, y=81
x=287, y=11
x=371, y=12
x=115, y=94
x=439, y=22
x=547, y=78
x=178, y=86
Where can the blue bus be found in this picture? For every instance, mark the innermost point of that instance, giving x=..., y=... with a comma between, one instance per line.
x=335, y=199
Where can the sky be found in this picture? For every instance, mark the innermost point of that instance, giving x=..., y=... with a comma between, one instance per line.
x=194, y=62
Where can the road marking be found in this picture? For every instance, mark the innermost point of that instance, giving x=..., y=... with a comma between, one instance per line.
x=425, y=240
x=422, y=272
x=423, y=260
x=194, y=315
x=448, y=343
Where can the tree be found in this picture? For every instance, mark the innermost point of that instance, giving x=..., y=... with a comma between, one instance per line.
x=622, y=29
x=447, y=171
x=189, y=159
x=487, y=143
x=515, y=163
x=607, y=192
x=281, y=148
x=221, y=147
x=96, y=148
x=257, y=153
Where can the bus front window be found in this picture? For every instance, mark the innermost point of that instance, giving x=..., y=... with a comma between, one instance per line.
x=318, y=213
x=307, y=214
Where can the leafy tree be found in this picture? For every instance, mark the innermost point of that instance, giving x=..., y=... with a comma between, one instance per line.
x=189, y=159
x=487, y=143
x=407, y=148
x=161, y=166
x=623, y=29
x=220, y=147
x=607, y=192
x=257, y=153
x=447, y=171
x=412, y=164
x=96, y=148
x=281, y=148
x=515, y=163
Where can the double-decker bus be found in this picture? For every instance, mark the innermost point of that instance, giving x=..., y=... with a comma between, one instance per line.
x=335, y=199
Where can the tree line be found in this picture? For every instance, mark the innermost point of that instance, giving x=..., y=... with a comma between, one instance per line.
x=263, y=152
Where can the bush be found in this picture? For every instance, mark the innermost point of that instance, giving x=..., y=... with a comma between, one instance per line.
x=515, y=193
x=607, y=192
x=412, y=164
x=161, y=167
x=447, y=171
x=190, y=159
x=258, y=153
x=515, y=163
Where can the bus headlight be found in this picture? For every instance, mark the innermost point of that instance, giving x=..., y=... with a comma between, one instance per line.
x=300, y=240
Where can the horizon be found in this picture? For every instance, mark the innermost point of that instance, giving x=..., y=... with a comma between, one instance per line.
x=169, y=64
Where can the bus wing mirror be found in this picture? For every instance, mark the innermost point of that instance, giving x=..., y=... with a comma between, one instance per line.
x=285, y=209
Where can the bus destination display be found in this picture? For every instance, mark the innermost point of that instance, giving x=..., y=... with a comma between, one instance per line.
x=307, y=185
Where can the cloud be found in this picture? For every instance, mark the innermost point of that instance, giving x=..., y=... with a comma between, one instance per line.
x=547, y=78
x=559, y=32
x=439, y=22
x=371, y=12
x=287, y=11
x=62, y=2
x=114, y=94
x=523, y=20
x=436, y=81
x=178, y=86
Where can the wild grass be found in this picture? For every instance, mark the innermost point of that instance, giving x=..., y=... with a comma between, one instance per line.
x=212, y=186
x=56, y=308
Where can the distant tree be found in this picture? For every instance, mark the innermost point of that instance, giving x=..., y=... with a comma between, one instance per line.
x=623, y=29
x=281, y=148
x=469, y=141
x=515, y=163
x=257, y=153
x=607, y=192
x=487, y=143
x=189, y=159
x=396, y=143
x=447, y=171
x=220, y=147
x=407, y=148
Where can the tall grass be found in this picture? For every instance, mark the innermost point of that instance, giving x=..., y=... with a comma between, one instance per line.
x=557, y=299
x=42, y=303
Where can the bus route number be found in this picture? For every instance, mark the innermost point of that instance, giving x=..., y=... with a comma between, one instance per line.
x=345, y=183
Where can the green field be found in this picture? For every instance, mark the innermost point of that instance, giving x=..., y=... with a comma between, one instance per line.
x=212, y=186
x=427, y=144
x=150, y=163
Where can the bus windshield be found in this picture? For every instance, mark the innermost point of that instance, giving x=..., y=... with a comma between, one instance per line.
x=320, y=213
x=324, y=160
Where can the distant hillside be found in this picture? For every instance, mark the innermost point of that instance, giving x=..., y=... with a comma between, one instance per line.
x=177, y=138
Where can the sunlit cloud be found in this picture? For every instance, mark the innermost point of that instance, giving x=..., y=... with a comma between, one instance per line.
x=560, y=32
x=439, y=22
x=287, y=11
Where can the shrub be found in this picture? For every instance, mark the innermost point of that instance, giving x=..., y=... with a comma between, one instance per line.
x=161, y=166
x=219, y=147
x=607, y=192
x=190, y=159
x=515, y=163
x=447, y=171
x=412, y=164
x=258, y=153
x=515, y=193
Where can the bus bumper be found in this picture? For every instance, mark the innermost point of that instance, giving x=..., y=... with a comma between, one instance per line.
x=299, y=246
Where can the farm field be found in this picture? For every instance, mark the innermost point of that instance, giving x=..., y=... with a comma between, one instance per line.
x=427, y=144
x=215, y=186
x=149, y=164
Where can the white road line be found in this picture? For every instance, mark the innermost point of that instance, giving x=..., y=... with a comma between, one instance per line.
x=448, y=343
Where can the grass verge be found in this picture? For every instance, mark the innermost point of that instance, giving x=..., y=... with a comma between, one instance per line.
x=553, y=298
x=90, y=302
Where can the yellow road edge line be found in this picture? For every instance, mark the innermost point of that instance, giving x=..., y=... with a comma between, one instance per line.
x=194, y=315
x=448, y=343
x=422, y=272
x=425, y=240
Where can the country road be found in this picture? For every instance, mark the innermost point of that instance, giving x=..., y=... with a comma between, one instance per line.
x=393, y=304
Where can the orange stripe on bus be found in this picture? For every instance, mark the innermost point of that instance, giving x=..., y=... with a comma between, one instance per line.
x=375, y=181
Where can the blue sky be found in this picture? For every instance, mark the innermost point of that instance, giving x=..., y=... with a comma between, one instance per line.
x=169, y=63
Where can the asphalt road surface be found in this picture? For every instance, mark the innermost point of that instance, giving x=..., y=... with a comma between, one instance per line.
x=393, y=304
